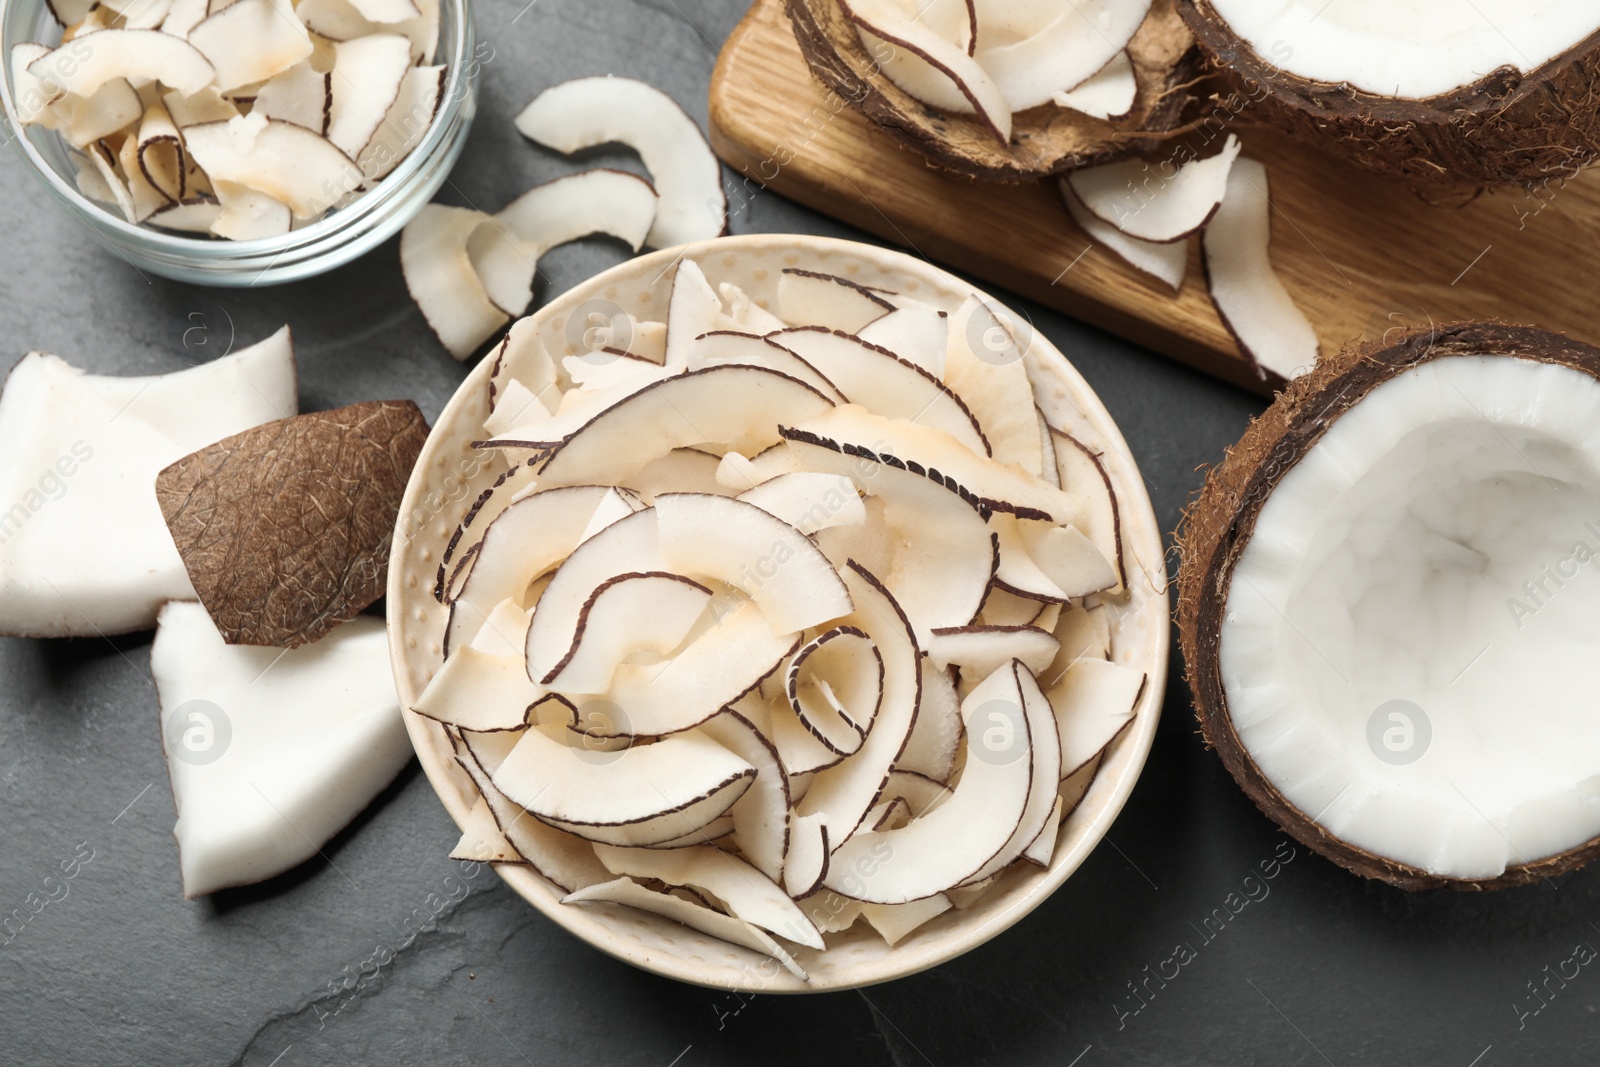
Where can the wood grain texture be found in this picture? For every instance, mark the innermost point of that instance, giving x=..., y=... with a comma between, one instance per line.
x=1361, y=255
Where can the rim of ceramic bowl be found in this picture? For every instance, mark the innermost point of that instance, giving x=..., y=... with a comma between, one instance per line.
x=449, y=475
x=332, y=241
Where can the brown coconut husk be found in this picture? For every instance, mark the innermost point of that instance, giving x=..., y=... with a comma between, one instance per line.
x=1220, y=521
x=1045, y=140
x=1505, y=129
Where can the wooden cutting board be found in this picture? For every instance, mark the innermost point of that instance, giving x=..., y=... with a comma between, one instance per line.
x=1361, y=255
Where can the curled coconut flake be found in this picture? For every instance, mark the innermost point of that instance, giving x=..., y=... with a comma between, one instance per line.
x=407, y=122
x=591, y=111
x=505, y=248
x=1272, y=332
x=1077, y=42
x=1110, y=94
x=1167, y=261
x=1143, y=203
x=929, y=67
x=440, y=277
x=139, y=55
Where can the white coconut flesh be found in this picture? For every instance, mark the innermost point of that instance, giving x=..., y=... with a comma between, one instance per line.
x=1408, y=647
x=996, y=59
x=253, y=798
x=1414, y=50
x=84, y=550
x=719, y=616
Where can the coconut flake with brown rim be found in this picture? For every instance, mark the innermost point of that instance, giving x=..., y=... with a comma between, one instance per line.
x=586, y=112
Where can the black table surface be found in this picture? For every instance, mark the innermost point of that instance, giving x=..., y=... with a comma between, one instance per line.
x=1315, y=966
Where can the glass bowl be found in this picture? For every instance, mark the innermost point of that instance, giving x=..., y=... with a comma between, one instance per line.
x=332, y=241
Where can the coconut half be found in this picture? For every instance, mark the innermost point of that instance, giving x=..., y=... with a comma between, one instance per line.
x=1438, y=94
x=1388, y=603
x=906, y=71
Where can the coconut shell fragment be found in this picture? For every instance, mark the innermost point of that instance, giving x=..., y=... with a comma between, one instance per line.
x=1044, y=140
x=285, y=528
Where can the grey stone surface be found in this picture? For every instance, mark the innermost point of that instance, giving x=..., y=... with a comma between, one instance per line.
x=387, y=952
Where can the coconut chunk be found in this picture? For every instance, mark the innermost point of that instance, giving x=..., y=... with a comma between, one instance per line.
x=710, y=673
x=1060, y=55
x=184, y=15
x=1167, y=262
x=586, y=112
x=807, y=862
x=249, y=41
x=253, y=798
x=736, y=542
x=864, y=435
x=1109, y=94
x=846, y=792
x=161, y=155
x=935, y=739
x=285, y=161
x=525, y=541
x=1153, y=206
x=745, y=312
x=1271, y=330
x=138, y=55
x=725, y=347
x=726, y=927
x=85, y=550
x=931, y=68
x=387, y=11
x=194, y=109
x=440, y=277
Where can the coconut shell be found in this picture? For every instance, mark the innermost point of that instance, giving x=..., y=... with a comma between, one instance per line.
x=1045, y=140
x=1505, y=129
x=1219, y=523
